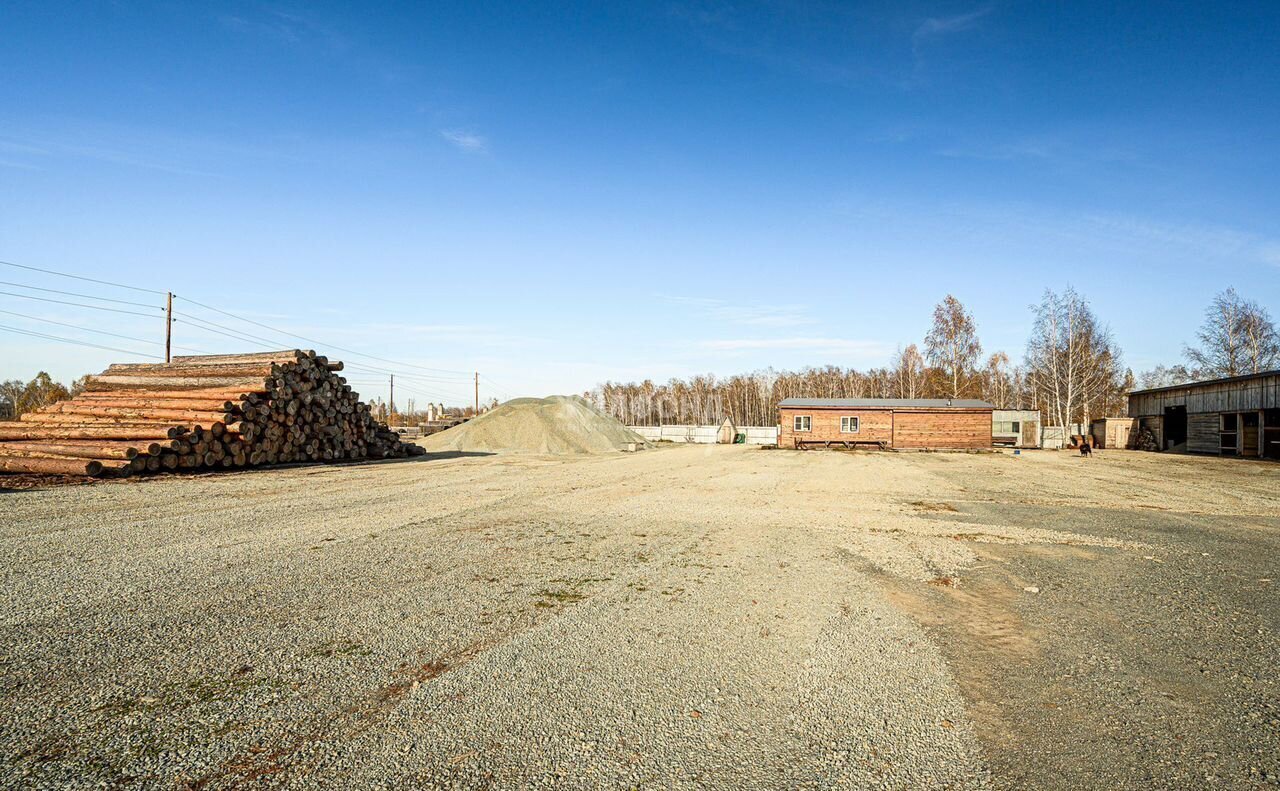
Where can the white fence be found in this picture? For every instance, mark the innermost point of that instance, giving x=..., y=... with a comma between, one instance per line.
x=1056, y=437
x=705, y=435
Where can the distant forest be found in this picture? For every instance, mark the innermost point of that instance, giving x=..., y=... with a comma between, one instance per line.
x=1071, y=369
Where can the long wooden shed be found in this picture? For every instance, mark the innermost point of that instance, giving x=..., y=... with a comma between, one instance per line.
x=884, y=422
x=1235, y=416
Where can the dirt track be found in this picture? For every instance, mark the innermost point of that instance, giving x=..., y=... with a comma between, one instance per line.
x=696, y=617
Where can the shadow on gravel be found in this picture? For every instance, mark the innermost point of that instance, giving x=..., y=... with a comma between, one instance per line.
x=11, y=484
x=1087, y=667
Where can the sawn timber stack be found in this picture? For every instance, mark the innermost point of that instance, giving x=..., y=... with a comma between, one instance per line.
x=201, y=412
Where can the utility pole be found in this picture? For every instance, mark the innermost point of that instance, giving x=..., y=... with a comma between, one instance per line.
x=391, y=405
x=477, y=413
x=168, y=325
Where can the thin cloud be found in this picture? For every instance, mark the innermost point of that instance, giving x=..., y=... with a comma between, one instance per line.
x=291, y=28
x=937, y=27
x=843, y=345
x=752, y=315
x=464, y=140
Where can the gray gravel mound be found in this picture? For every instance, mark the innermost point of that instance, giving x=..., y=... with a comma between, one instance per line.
x=555, y=425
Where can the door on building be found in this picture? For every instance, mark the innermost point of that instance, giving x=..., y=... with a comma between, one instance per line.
x=1249, y=434
x=1271, y=434
x=1175, y=426
x=1030, y=432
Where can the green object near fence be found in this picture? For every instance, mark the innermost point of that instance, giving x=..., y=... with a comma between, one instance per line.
x=739, y=439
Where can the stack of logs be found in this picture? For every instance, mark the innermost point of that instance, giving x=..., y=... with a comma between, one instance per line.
x=201, y=412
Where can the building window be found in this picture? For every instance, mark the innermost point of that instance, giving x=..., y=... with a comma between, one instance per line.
x=849, y=425
x=803, y=423
x=1016, y=427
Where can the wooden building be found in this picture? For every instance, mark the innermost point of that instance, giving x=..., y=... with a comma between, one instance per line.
x=1112, y=432
x=1016, y=428
x=1237, y=416
x=884, y=423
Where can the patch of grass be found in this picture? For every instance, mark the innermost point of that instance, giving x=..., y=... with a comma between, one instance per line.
x=927, y=506
x=571, y=590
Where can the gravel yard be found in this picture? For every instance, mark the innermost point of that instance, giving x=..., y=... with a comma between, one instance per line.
x=685, y=617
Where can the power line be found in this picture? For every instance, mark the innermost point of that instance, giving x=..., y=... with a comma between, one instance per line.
x=502, y=391
x=98, y=332
x=226, y=332
x=81, y=277
x=74, y=294
x=81, y=304
x=78, y=343
x=318, y=343
x=213, y=327
x=222, y=329
x=419, y=377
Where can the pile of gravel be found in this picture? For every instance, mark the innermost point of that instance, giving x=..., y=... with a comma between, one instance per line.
x=556, y=425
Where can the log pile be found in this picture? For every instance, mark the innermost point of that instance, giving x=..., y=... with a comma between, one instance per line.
x=201, y=412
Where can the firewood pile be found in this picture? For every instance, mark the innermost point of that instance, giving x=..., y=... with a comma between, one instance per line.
x=1146, y=440
x=201, y=412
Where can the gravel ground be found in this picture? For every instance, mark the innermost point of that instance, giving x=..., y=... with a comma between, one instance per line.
x=685, y=617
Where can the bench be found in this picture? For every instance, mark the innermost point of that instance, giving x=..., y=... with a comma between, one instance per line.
x=847, y=444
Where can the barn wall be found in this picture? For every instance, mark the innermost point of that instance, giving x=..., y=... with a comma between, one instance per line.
x=1203, y=434
x=1241, y=396
x=942, y=429
x=874, y=425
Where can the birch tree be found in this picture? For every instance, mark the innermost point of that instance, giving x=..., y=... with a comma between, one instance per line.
x=1072, y=362
x=1238, y=337
x=909, y=373
x=997, y=384
x=952, y=347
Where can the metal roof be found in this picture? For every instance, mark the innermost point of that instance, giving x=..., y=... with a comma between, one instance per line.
x=888, y=403
x=1207, y=382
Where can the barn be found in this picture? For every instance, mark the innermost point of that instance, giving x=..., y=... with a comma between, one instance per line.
x=884, y=422
x=1236, y=416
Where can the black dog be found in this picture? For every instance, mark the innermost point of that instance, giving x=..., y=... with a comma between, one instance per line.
x=1085, y=450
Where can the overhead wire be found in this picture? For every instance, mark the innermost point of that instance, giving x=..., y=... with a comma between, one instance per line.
x=219, y=329
x=78, y=343
x=82, y=296
x=82, y=277
x=419, y=381
x=319, y=343
x=79, y=304
x=97, y=332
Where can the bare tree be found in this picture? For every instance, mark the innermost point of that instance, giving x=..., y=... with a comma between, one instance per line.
x=909, y=373
x=997, y=381
x=1261, y=341
x=1237, y=337
x=1072, y=362
x=952, y=347
x=23, y=397
x=1165, y=376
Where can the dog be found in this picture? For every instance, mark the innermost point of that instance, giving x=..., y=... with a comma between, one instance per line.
x=1085, y=450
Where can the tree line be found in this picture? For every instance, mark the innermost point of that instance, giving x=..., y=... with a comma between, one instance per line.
x=1071, y=369
x=17, y=396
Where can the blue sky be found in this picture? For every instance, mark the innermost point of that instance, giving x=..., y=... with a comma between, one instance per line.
x=558, y=194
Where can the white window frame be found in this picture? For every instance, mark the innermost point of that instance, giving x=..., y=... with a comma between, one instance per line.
x=849, y=424
x=802, y=420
